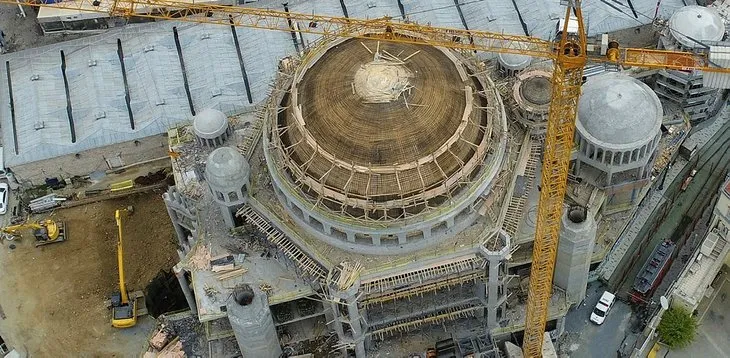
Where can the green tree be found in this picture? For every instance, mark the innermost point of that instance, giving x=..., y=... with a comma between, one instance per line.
x=677, y=328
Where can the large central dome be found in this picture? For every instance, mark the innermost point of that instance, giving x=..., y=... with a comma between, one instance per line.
x=422, y=102
x=380, y=126
x=380, y=147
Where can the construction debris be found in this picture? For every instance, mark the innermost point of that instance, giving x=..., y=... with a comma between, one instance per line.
x=266, y=287
x=222, y=263
x=233, y=273
x=160, y=339
x=174, y=349
x=211, y=291
x=200, y=258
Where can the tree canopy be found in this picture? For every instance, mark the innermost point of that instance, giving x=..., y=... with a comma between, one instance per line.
x=677, y=328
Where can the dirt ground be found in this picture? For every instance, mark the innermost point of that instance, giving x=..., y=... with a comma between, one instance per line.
x=53, y=296
x=23, y=32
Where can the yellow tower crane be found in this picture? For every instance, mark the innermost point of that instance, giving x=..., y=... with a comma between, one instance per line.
x=569, y=54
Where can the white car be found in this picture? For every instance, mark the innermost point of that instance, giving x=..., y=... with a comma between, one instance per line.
x=4, y=195
x=603, y=307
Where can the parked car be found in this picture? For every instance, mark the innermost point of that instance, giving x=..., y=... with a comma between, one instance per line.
x=603, y=307
x=4, y=195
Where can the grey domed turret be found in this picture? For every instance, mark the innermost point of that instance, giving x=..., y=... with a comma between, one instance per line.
x=211, y=127
x=227, y=173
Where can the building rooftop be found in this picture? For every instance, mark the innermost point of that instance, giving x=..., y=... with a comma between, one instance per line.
x=696, y=23
x=619, y=111
x=40, y=127
x=699, y=273
x=156, y=87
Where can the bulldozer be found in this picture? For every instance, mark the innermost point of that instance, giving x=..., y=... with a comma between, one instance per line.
x=45, y=231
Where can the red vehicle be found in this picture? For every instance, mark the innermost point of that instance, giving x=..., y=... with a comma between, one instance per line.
x=652, y=272
x=687, y=181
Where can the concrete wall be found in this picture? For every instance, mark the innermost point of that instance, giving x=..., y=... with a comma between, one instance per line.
x=91, y=160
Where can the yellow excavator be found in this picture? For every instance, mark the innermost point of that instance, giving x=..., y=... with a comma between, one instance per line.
x=45, y=231
x=124, y=310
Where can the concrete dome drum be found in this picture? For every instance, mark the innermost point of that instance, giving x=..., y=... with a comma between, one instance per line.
x=532, y=91
x=226, y=169
x=618, y=112
x=380, y=147
x=696, y=22
x=618, y=126
x=211, y=127
x=513, y=63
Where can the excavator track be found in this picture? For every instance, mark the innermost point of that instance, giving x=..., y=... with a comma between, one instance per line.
x=61, y=235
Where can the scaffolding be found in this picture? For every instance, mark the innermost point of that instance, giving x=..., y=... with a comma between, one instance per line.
x=305, y=263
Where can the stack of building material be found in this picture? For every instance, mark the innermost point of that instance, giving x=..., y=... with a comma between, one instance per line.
x=45, y=203
x=225, y=266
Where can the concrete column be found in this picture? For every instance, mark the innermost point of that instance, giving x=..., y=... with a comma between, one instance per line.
x=402, y=238
x=575, y=249
x=376, y=239
x=227, y=216
x=181, y=237
x=495, y=250
x=252, y=323
x=493, y=283
x=305, y=215
x=327, y=228
x=427, y=233
x=358, y=333
x=350, y=236
x=450, y=222
x=185, y=286
x=348, y=297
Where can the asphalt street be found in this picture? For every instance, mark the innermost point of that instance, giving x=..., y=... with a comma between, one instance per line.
x=591, y=340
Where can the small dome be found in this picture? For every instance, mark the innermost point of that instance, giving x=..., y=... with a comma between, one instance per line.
x=227, y=169
x=537, y=90
x=699, y=23
x=210, y=123
x=513, y=61
x=618, y=112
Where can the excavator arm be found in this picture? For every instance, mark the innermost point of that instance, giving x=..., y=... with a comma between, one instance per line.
x=45, y=231
x=124, y=311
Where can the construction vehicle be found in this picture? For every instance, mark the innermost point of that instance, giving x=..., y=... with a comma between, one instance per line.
x=124, y=310
x=569, y=54
x=45, y=231
x=688, y=180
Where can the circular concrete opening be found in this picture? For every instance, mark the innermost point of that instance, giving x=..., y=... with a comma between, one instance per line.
x=537, y=90
x=577, y=214
x=243, y=295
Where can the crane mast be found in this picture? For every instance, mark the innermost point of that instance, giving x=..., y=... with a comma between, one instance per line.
x=569, y=56
x=567, y=80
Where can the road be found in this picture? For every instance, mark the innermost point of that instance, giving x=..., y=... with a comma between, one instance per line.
x=590, y=340
x=712, y=162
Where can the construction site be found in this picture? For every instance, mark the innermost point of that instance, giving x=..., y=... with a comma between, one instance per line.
x=331, y=186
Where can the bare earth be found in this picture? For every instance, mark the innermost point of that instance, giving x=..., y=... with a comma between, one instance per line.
x=53, y=296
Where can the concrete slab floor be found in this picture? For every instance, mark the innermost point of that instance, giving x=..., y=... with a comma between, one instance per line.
x=260, y=270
